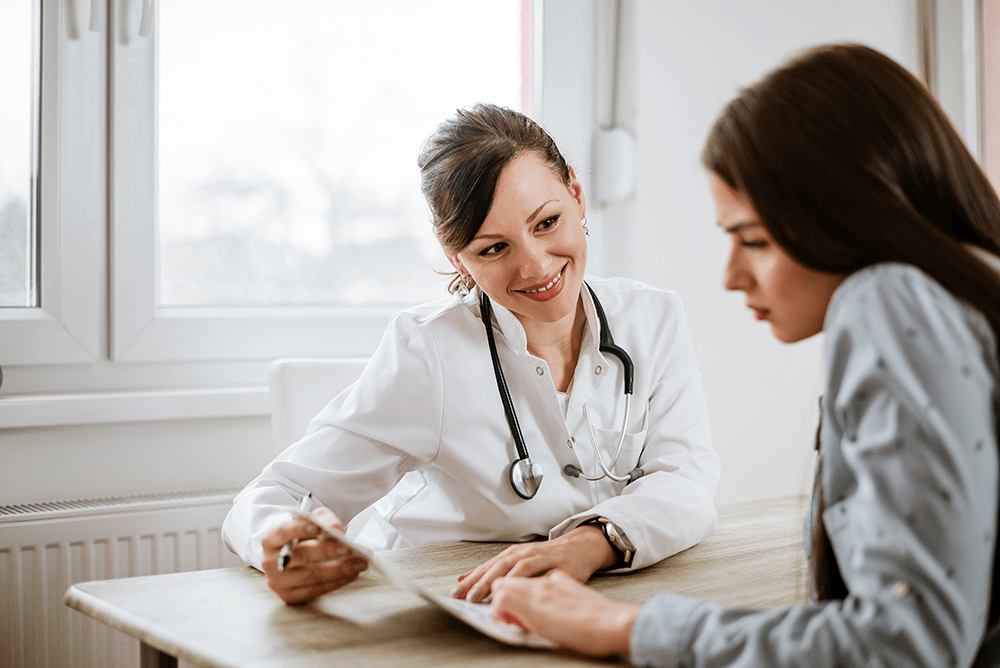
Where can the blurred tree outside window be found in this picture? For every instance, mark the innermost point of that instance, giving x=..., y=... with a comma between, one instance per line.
x=288, y=139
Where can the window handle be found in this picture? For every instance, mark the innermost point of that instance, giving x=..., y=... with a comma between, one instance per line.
x=147, y=18
x=97, y=9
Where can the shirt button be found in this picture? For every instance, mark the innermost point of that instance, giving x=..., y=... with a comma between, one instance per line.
x=540, y=370
x=570, y=442
x=900, y=589
x=598, y=370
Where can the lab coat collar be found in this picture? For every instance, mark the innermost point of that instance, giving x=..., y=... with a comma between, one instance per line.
x=513, y=333
x=584, y=384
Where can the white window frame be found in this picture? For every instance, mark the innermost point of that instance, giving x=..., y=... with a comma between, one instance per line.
x=69, y=198
x=951, y=42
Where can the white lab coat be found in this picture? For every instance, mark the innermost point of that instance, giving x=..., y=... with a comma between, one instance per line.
x=428, y=404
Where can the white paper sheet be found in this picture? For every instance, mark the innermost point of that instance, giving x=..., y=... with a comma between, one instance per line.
x=476, y=615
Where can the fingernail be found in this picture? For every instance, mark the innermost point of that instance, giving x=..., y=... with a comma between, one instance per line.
x=343, y=551
x=473, y=595
x=360, y=567
x=458, y=591
x=312, y=528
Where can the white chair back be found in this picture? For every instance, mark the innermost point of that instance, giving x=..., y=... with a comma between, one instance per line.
x=300, y=388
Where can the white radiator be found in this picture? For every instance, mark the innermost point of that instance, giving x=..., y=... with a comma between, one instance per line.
x=46, y=547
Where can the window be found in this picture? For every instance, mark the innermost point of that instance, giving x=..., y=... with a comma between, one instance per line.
x=287, y=153
x=316, y=233
x=56, y=319
x=139, y=99
x=17, y=107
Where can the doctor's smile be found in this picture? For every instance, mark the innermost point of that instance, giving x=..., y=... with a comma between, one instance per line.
x=545, y=291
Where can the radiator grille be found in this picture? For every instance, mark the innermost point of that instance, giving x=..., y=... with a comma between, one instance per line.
x=97, y=506
x=47, y=547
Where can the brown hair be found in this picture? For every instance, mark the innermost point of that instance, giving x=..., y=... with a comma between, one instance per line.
x=461, y=163
x=850, y=161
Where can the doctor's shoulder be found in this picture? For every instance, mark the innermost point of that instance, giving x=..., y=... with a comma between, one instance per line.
x=640, y=306
x=432, y=325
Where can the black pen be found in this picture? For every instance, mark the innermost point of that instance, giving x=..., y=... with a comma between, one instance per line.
x=286, y=550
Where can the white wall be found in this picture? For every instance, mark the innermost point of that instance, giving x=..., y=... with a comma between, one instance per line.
x=692, y=58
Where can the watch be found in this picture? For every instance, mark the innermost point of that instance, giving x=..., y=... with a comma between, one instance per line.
x=616, y=538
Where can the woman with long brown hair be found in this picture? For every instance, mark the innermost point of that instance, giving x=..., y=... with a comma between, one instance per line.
x=853, y=209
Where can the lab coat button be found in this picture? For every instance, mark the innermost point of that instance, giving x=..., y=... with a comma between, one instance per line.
x=598, y=370
x=540, y=370
x=901, y=588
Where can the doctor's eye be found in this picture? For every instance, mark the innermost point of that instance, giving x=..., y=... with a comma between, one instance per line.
x=548, y=223
x=492, y=250
x=754, y=243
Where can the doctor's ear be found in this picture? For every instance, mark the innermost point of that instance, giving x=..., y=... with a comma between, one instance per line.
x=576, y=189
x=456, y=262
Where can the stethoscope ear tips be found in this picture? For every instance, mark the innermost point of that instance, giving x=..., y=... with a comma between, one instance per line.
x=572, y=471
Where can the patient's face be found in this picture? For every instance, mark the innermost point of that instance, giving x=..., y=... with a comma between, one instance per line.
x=792, y=298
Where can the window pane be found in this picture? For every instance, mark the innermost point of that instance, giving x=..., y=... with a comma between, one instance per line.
x=17, y=253
x=289, y=135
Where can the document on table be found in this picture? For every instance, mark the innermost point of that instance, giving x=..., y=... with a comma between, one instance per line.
x=476, y=615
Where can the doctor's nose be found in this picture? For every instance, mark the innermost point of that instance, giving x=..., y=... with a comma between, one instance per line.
x=534, y=260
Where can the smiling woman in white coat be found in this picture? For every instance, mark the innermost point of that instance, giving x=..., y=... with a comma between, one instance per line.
x=505, y=406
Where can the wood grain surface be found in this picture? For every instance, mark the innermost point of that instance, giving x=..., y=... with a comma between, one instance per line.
x=229, y=618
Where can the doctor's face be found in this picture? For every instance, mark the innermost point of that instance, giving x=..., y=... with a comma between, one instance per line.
x=531, y=251
x=791, y=297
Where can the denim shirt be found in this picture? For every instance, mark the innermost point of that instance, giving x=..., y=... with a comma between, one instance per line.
x=910, y=480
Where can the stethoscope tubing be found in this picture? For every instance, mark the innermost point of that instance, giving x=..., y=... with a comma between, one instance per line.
x=614, y=460
x=508, y=406
x=523, y=465
x=607, y=344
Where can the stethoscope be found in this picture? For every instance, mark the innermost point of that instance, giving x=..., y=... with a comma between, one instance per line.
x=525, y=475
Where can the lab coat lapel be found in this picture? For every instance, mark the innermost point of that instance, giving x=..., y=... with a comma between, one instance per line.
x=585, y=384
x=511, y=332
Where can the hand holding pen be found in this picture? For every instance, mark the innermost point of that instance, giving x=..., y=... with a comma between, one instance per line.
x=288, y=548
x=303, y=561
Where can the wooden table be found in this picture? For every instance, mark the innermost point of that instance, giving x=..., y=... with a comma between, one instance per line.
x=229, y=617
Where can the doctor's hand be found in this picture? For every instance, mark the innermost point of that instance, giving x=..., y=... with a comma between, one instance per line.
x=578, y=553
x=318, y=564
x=560, y=608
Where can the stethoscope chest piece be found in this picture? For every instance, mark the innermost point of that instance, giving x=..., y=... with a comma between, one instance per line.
x=525, y=477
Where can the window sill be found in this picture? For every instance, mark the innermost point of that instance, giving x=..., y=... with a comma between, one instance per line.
x=22, y=411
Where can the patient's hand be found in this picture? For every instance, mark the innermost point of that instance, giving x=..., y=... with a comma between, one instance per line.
x=579, y=553
x=562, y=609
x=318, y=565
